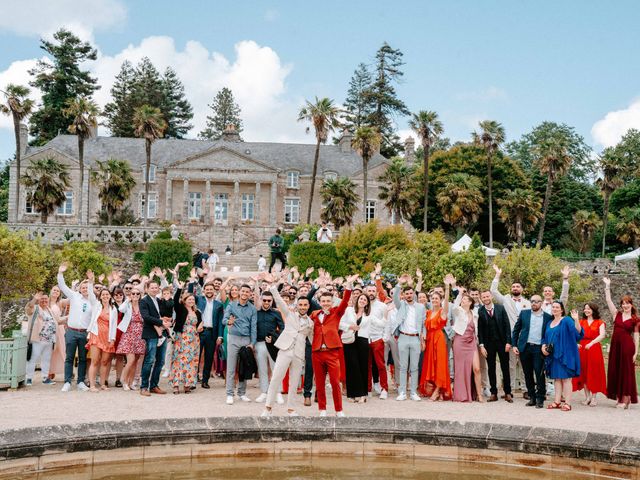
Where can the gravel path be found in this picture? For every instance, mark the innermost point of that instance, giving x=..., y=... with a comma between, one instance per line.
x=46, y=405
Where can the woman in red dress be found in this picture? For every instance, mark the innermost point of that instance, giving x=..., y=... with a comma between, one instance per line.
x=102, y=336
x=592, y=377
x=621, y=378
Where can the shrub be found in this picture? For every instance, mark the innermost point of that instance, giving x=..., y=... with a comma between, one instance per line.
x=125, y=216
x=361, y=247
x=536, y=268
x=138, y=256
x=289, y=238
x=84, y=256
x=317, y=255
x=166, y=254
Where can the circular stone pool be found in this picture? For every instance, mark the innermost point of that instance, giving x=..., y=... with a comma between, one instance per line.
x=302, y=468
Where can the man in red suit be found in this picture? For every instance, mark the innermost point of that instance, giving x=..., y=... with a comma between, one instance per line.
x=326, y=347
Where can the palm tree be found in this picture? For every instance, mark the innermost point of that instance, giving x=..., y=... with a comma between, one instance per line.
x=612, y=170
x=115, y=182
x=585, y=224
x=341, y=201
x=628, y=226
x=149, y=124
x=324, y=116
x=84, y=113
x=19, y=107
x=398, y=189
x=366, y=141
x=553, y=159
x=427, y=127
x=460, y=200
x=490, y=137
x=520, y=212
x=47, y=181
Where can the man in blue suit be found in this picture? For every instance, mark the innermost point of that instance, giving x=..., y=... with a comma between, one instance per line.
x=528, y=333
x=212, y=313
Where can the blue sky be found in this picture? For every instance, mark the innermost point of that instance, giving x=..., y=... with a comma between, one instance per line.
x=518, y=62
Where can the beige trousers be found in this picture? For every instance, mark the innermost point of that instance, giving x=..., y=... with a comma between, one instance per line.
x=286, y=360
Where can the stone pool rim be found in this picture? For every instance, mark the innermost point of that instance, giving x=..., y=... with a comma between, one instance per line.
x=33, y=442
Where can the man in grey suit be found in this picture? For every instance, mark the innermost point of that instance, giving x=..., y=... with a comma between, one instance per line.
x=410, y=328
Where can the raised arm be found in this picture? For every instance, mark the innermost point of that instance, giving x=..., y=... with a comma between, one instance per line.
x=564, y=294
x=497, y=296
x=448, y=281
x=62, y=285
x=607, y=296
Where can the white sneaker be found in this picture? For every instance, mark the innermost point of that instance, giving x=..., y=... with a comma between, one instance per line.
x=415, y=397
x=402, y=397
x=293, y=414
x=486, y=392
x=66, y=387
x=377, y=388
x=244, y=398
x=83, y=387
x=340, y=414
x=323, y=413
x=125, y=387
x=280, y=399
x=266, y=413
x=229, y=400
x=383, y=395
x=261, y=398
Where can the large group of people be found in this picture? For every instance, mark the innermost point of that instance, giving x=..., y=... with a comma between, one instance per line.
x=359, y=337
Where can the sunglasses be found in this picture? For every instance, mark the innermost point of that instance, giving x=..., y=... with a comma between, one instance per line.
x=268, y=300
x=135, y=294
x=127, y=288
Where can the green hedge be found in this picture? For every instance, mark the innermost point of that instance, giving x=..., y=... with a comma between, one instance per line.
x=317, y=255
x=166, y=254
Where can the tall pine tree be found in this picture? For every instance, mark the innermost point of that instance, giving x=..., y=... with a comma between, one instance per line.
x=225, y=112
x=60, y=79
x=144, y=85
x=357, y=105
x=383, y=99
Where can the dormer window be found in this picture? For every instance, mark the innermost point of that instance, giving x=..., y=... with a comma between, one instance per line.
x=293, y=179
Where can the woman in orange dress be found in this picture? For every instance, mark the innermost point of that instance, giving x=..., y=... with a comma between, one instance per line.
x=592, y=377
x=102, y=336
x=434, y=380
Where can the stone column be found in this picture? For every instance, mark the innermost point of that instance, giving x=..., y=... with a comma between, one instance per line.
x=83, y=210
x=256, y=205
x=168, y=200
x=12, y=196
x=236, y=202
x=272, y=204
x=185, y=200
x=207, y=203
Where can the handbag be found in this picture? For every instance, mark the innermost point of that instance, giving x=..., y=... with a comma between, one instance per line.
x=29, y=331
x=348, y=336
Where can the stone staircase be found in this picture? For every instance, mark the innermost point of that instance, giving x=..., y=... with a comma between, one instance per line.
x=246, y=260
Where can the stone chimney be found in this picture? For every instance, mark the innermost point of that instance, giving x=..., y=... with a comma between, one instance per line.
x=410, y=150
x=230, y=134
x=24, y=138
x=345, y=141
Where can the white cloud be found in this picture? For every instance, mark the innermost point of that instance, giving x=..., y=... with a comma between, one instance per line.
x=256, y=75
x=17, y=73
x=44, y=17
x=609, y=130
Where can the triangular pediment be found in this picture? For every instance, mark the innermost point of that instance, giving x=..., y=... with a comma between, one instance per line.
x=46, y=152
x=373, y=172
x=222, y=158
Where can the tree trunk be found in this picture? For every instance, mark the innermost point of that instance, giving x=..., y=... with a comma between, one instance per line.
x=109, y=217
x=605, y=221
x=145, y=209
x=397, y=217
x=490, y=188
x=545, y=207
x=365, y=168
x=16, y=129
x=81, y=218
x=44, y=217
x=425, y=148
x=316, y=158
x=519, y=231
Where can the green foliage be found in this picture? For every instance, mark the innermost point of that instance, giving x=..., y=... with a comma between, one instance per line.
x=626, y=196
x=22, y=265
x=60, y=79
x=535, y=268
x=340, y=201
x=356, y=105
x=361, y=247
x=115, y=182
x=166, y=254
x=289, y=238
x=317, y=255
x=124, y=216
x=83, y=256
x=4, y=192
x=139, y=256
x=47, y=180
x=224, y=112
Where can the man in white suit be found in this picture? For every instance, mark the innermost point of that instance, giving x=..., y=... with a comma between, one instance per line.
x=291, y=345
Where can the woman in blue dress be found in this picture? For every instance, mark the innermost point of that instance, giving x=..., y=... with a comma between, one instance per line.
x=560, y=347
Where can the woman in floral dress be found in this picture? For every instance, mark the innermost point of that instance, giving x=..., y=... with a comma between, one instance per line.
x=186, y=348
x=131, y=343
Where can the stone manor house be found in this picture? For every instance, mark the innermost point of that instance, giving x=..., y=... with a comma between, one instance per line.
x=214, y=189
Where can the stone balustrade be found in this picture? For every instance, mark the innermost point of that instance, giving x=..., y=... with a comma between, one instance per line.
x=58, y=234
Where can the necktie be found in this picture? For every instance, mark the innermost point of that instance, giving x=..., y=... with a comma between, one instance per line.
x=491, y=312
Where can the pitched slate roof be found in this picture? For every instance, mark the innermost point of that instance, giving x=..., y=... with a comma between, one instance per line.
x=166, y=152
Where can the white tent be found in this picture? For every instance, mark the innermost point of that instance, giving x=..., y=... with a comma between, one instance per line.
x=628, y=256
x=464, y=242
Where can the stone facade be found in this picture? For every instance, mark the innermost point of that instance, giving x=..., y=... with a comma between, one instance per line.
x=228, y=183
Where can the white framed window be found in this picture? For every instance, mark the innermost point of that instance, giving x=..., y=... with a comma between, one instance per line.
x=291, y=210
x=220, y=208
x=330, y=176
x=248, y=206
x=371, y=210
x=67, y=207
x=152, y=173
x=195, y=205
x=293, y=179
x=28, y=206
x=153, y=205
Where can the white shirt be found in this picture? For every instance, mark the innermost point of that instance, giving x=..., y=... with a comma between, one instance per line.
x=79, y=306
x=378, y=320
x=324, y=236
x=207, y=315
x=409, y=324
x=262, y=264
x=213, y=259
